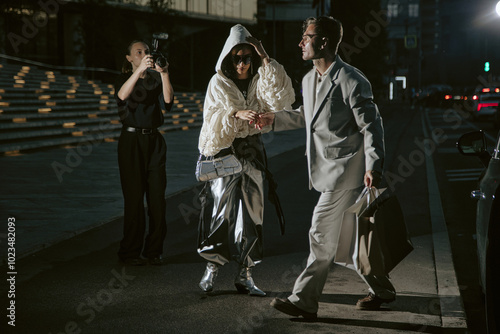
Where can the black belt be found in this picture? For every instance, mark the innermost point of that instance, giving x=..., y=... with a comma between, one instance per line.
x=141, y=131
x=224, y=152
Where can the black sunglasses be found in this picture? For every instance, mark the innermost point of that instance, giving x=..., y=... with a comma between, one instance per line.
x=246, y=59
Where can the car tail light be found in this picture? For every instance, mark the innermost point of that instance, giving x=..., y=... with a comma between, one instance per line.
x=486, y=90
x=474, y=97
x=447, y=97
x=485, y=105
x=497, y=90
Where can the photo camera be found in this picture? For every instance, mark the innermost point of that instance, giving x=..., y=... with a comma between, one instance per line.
x=158, y=57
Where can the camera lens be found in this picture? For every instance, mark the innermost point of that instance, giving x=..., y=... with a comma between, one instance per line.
x=161, y=61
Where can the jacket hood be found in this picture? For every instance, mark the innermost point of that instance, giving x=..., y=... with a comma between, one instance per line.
x=237, y=36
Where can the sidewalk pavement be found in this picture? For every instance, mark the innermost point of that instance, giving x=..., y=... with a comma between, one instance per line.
x=59, y=193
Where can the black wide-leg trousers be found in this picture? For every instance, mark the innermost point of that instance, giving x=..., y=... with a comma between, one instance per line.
x=142, y=159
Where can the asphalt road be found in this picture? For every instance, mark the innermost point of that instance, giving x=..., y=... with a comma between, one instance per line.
x=77, y=286
x=458, y=176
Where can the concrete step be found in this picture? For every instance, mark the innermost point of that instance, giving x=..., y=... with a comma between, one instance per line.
x=19, y=121
x=56, y=104
x=57, y=108
x=19, y=136
x=63, y=116
x=76, y=130
x=37, y=83
x=16, y=126
x=11, y=149
x=41, y=109
x=17, y=94
x=9, y=103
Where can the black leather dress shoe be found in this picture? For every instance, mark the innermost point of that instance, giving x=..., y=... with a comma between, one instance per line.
x=372, y=302
x=134, y=261
x=286, y=306
x=155, y=261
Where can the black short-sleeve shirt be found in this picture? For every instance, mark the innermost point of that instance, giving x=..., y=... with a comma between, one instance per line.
x=143, y=108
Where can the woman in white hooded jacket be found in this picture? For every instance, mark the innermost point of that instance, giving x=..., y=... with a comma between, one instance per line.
x=247, y=82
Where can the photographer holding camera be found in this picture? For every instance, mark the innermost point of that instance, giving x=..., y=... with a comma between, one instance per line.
x=142, y=91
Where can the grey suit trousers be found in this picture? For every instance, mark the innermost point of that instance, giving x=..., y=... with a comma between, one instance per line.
x=323, y=239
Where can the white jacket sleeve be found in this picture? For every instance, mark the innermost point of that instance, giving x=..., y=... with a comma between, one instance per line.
x=274, y=89
x=219, y=126
x=272, y=92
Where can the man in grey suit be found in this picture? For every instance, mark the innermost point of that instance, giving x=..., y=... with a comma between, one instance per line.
x=345, y=152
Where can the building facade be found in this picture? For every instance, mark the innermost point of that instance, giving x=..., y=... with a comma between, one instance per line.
x=443, y=42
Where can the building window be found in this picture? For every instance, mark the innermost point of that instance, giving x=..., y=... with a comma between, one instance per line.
x=413, y=10
x=392, y=10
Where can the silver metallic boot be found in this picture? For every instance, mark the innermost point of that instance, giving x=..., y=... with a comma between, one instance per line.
x=207, y=281
x=244, y=283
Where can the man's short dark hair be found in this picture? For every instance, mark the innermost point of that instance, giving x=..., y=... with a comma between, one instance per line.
x=326, y=26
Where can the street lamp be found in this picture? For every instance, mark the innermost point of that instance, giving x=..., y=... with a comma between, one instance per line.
x=498, y=8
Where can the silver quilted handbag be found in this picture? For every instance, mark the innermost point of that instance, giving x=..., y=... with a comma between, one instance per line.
x=213, y=168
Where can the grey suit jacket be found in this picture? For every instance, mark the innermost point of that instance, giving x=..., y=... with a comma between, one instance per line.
x=345, y=136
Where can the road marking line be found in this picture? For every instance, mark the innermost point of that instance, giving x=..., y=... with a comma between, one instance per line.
x=463, y=179
x=471, y=170
x=459, y=175
x=447, y=150
x=464, y=174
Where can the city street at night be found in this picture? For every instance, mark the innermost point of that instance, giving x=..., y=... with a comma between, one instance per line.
x=109, y=108
x=78, y=284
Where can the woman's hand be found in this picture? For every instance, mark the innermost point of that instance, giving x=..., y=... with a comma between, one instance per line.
x=259, y=49
x=161, y=69
x=128, y=87
x=247, y=115
x=146, y=62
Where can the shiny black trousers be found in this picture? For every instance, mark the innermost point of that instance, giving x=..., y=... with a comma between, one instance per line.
x=237, y=217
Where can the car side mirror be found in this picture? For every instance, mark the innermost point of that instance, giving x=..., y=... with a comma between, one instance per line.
x=474, y=143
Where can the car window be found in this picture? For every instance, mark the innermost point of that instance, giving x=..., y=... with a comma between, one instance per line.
x=489, y=97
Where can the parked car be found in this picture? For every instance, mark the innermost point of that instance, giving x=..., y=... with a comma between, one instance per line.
x=469, y=100
x=434, y=95
x=487, y=222
x=454, y=98
x=486, y=102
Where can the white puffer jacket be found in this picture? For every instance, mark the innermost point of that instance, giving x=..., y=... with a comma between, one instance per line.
x=270, y=90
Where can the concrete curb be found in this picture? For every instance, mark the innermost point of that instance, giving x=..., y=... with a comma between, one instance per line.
x=452, y=309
